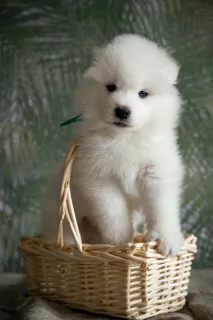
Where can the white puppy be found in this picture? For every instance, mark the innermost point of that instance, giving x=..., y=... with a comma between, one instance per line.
x=128, y=160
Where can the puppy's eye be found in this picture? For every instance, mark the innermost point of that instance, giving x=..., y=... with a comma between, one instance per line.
x=143, y=94
x=111, y=87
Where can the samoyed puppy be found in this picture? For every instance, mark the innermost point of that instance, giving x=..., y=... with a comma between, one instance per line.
x=127, y=164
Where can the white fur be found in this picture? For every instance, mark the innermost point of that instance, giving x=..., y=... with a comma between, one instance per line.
x=121, y=172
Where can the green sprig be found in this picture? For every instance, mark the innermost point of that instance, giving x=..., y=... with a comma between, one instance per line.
x=73, y=120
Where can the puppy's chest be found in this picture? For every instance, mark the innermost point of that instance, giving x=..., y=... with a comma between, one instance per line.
x=126, y=166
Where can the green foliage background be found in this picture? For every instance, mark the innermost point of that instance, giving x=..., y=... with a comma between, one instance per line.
x=44, y=46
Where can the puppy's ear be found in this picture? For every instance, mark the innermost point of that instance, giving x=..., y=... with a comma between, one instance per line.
x=170, y=71
x=92, y=71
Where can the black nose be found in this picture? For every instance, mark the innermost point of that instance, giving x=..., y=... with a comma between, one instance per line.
x=122, y=113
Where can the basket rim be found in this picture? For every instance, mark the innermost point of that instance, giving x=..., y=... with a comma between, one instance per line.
x=139, y=251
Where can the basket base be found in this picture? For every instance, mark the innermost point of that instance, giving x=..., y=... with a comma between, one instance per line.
x=115, y=314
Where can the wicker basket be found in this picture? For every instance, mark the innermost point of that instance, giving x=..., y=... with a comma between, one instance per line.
x=131, y=281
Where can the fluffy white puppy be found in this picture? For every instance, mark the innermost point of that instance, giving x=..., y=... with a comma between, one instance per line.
x=128, y=162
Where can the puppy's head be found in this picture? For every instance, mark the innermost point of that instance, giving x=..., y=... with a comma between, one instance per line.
x=129, y=85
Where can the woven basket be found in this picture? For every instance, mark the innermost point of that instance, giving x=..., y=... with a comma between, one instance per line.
x=131, y=281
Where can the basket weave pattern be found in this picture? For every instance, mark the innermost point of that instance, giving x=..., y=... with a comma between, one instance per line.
x=129, y=281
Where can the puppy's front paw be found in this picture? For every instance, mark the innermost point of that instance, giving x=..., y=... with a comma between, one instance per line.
x=168, y=243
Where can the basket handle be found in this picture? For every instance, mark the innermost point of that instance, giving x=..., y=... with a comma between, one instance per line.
x=66, y=209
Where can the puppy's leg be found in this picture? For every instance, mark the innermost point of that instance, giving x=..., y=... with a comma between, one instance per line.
x=138, y=221
x=104, y=206
x=162, y=215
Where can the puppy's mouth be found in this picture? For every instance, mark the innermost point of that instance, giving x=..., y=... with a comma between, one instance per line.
x=120, y=124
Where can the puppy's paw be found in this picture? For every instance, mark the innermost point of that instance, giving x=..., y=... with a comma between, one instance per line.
x=169, y=244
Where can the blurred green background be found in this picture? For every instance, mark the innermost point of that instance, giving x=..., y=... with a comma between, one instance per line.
x=44, y=46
